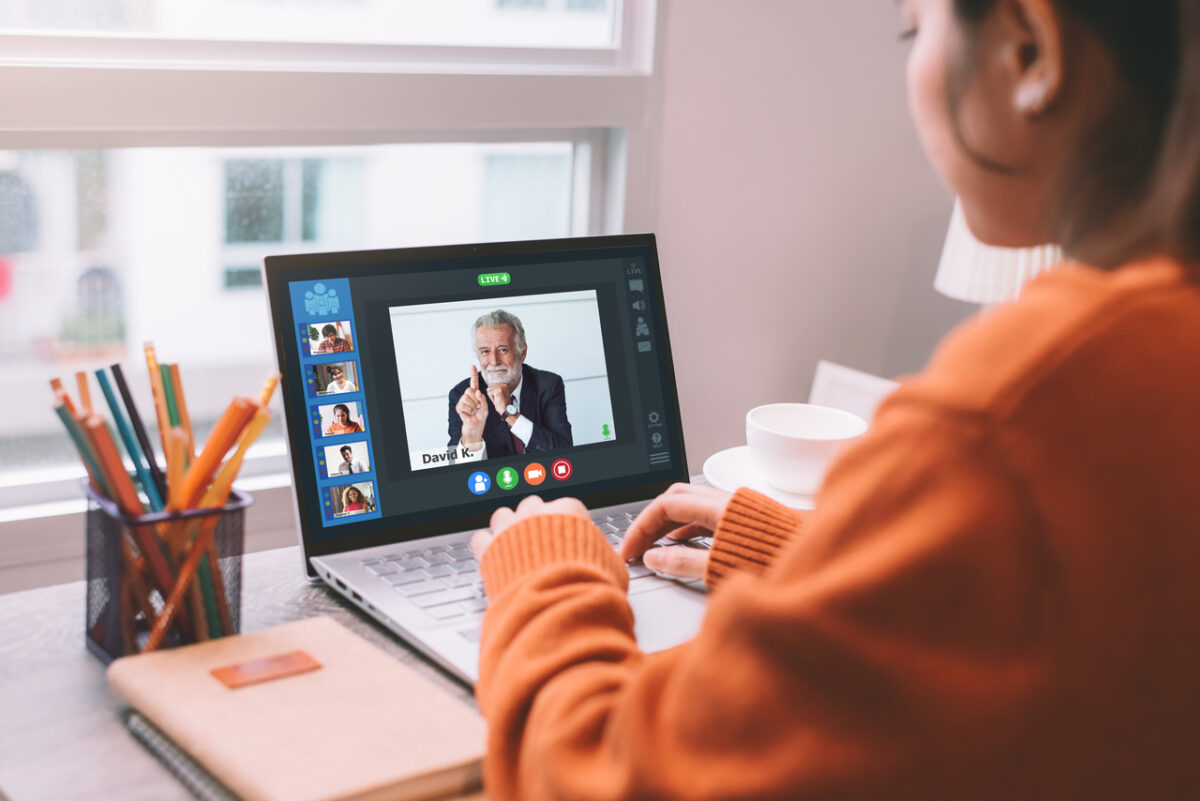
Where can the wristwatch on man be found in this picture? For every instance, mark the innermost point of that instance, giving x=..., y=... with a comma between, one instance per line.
x=510, y=410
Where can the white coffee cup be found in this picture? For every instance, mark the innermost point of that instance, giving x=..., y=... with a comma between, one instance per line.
x=794, y=443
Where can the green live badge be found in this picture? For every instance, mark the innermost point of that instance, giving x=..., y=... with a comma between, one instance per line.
x=507, y=478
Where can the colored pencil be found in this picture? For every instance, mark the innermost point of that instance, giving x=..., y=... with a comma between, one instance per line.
x=85, y=397
x=222, y=438
x=135, y=419
x=164, y=372
x=60, y=395
x=185, y=419
x=131, y=445
x=86, y=452
x=156, y=389
x=268, y=389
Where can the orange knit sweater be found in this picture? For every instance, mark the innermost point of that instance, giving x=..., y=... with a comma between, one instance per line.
x=995, y=598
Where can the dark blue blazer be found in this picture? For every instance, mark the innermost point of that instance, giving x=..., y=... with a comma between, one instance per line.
x=543, y=402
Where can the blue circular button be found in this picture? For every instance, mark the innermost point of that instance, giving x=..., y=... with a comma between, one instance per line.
x=479, y=483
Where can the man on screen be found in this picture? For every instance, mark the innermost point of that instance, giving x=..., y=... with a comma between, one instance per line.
x=349, y=463
x=507, y=407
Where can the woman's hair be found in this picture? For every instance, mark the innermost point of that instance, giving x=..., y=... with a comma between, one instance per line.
x=344, y=408
x=346, y=495
x=1144, y=158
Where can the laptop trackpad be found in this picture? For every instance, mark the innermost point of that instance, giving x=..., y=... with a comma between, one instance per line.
x=667, y=617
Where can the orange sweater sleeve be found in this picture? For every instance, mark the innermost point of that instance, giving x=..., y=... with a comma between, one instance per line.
x=749, y=536
x=803, y=682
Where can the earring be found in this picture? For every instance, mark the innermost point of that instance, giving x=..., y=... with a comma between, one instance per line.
x=1031, y=98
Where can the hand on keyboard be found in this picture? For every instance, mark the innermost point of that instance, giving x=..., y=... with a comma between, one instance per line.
x=683, y=512
x=531, y=506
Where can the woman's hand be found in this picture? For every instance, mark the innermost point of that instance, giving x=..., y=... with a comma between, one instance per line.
x=681, y=513
x=505, y=518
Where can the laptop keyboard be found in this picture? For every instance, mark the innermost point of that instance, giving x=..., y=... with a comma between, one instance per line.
x=444, y=580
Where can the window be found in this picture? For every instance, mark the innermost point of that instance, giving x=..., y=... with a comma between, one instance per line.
x=138, y=200
x=410, y=22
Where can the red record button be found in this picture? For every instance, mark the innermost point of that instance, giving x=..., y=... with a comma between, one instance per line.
x=561, y=469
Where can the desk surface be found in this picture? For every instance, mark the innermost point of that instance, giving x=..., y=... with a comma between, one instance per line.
x=60, y=733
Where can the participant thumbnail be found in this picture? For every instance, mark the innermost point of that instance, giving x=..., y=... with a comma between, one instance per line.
x=335, y=378
x=322, y=338
x=339, y=418
x=352, y=499
x=501, y=377
x=346, y=459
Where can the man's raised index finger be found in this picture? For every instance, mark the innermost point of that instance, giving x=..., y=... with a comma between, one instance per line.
x=474, y=377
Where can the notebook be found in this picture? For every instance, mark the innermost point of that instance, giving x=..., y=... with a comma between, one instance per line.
x=341, y=721
x=425, y=387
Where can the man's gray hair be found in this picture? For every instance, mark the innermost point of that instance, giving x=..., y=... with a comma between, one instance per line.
x=501, y=317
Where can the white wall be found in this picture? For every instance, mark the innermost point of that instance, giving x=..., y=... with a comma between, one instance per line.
x=797, y=216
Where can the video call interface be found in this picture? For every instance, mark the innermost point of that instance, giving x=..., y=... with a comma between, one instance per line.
x=433, y=390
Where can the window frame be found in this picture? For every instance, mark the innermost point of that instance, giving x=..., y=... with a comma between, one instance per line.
x=147, y=92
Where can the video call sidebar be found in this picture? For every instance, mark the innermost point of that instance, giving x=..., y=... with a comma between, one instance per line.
x=315, y=305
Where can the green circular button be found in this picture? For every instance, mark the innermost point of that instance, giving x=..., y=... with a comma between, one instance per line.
x=507, y=478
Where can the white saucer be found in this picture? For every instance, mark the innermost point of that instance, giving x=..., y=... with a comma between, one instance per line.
x=733, y=468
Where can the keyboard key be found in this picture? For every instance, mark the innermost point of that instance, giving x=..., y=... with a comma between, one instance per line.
x=459, y=580
x=437, y=549
x=382, y=569
x=475, y=604
x=442, y=597
x=639, y=571
x=438, y=571
x=435, y=558
x=421, y=587
x=465, y=567
x=446, y=612
x=471, y=635
x=408, y=577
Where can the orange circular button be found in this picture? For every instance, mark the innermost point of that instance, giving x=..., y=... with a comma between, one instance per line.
x=534, y=474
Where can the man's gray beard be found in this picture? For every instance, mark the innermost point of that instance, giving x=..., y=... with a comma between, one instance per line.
x=507, y=375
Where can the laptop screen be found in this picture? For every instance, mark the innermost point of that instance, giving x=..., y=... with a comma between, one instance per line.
x=426, y=387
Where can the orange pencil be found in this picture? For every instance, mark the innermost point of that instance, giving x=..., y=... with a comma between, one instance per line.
x=85, y=396
x=176, y=443
x=181, y=406
x=160, y=399
x=268, y=389
x=60, y=395
x=222, y=438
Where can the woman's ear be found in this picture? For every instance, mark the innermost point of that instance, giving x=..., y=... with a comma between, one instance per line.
x=1033, y=54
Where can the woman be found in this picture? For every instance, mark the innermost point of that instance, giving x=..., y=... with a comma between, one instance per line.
x=352, y=500
x=993, y=598
x=342, y=424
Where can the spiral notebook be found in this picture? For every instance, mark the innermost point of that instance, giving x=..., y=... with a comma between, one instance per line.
x=307, y=711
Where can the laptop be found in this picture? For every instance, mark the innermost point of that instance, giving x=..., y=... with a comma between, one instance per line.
x=393, y=471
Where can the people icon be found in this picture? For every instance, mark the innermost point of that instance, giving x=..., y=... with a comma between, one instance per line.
x=310, y=303
x=479, y=483
x=642, y=330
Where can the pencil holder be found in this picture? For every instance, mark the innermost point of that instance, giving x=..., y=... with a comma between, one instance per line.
x=162, y=580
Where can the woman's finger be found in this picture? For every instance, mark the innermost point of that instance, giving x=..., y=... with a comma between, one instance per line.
x=680, y=562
